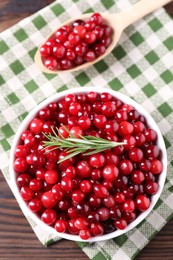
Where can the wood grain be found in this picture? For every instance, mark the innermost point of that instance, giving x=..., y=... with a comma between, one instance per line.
x=17, y=240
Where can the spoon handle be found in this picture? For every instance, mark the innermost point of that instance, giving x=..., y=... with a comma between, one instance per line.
x=140, y=9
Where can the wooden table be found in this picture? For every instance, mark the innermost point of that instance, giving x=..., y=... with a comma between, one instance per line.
x=17, y=240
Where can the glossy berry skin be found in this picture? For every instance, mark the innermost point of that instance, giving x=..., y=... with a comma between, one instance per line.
x=48, y=199
x=23, y=180
x=35, y=205
x=97, y=160
x=97, y=229
x=151, y=187
x=26, y=193
x=21, y=151
x=49, y=216
x=35, y=184
x=51, y=177
x=126, y=167
x=110, y=172
x=51, y=63
x=61, y=226
x=136, y=154
x=20, y=165
x=156, y=166
x=59, y=50
x=85, y=186
x=85, y=234
x=83, y=169
x=120, y=223
x=128, y=205
x=142, y=202
x=66, y=184
x=137, y=176
x=100, y=191
x=45, y=50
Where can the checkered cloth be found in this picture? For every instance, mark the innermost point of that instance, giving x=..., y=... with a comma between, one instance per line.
x=141, y=66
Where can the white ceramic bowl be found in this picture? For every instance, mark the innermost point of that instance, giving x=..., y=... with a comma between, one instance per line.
x=151, y=123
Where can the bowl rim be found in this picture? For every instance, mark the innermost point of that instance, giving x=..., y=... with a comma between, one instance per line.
x=56, y=97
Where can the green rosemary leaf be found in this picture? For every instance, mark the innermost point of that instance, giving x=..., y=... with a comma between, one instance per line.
x=86, y=145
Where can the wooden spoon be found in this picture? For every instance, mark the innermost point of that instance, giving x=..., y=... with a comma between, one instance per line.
x=118, y=22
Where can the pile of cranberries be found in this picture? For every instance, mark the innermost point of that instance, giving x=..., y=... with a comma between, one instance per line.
x=96, y=194
x=75, y=44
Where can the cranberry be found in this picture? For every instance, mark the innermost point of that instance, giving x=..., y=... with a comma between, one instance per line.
x=23, y=180
x=35, y=184
x=61, y=35
x=86, y=186
x=120, y=223
x=59, y=50
x=48, y=199
x=100, y=191
x=21, y=151
x=26, y=193
x=89, y=56
x=78, y=195
x=125, y=128
x=103, y=213
x=58, y=192
x=80, y=30
x=151, y=187
x=93, y=217
x=126, y=167
x=96, y=18
x=119, y=197
x=115, y=212
x=137, y=177
x=61, y=226
x=85, y=234
x=156, y=166
x=35, y=205
x=94, y=201
x=110, y=172
x=97, y=160
x=136, y=154
x=150, y=135
x=66, y=184
x=142, y=202
x=128, y=205
x=49, y=216
x=96, y=229
x=72, y=229
x=152, y=152
x=89, y=26
x=78, y=22
x=51, y=63
x=20, y=165
x=45, y=50
x=109, y=201
x=81, y=223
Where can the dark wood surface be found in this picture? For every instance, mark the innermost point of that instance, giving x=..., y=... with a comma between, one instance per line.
x=17, y=240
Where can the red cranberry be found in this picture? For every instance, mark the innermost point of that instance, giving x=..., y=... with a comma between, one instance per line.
x=49, y=216
x=35, y=205
x=61, y=226
x=110, y=172
x=142, y=202
x=120, y=223
x=45, y=50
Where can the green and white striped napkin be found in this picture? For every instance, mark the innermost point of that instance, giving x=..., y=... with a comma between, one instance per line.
x=141, y=66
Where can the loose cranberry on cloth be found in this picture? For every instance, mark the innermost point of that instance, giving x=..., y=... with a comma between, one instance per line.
x=132, y=68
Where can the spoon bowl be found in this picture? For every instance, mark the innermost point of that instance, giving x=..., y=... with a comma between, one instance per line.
x=117, y=21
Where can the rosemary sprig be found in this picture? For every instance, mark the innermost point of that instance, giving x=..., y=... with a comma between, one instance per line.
x=87, y=145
